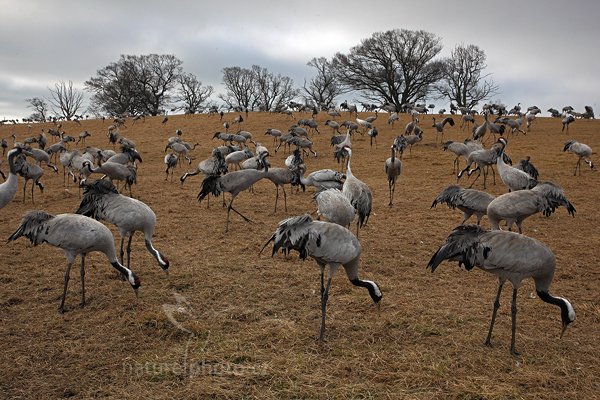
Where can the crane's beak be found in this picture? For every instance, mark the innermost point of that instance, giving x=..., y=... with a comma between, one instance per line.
x=136, y=292
x=166, y=272
x=564, y=329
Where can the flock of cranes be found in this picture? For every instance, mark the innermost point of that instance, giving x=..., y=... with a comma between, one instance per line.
x=340, y=197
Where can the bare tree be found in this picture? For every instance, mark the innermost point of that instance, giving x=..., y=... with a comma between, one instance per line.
x=239, y=88
x=136, y=84
x=394, y=67
x=192, y=94
x=325, y=86
x=463, y=79
x=40, y=108
x=155, y=76
x=113, y=89
x=65, y=100
x=272, y=91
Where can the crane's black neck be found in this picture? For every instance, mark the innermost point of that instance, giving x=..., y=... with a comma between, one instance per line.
x=567, y=312
x=371, y=286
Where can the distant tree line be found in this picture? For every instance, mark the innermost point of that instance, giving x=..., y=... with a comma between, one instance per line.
x=394, y=68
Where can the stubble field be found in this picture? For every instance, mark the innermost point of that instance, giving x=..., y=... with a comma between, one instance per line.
x=229, y=323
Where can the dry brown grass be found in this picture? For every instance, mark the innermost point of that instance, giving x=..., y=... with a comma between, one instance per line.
x=254, y=319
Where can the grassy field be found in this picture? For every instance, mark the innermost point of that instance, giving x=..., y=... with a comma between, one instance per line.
x=229, y=323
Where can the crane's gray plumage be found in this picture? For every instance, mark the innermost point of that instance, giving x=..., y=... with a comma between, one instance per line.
x=322, y=179
x=469, y=201
x=581, y=150
x=329, y=244
x=359, y=195
x=115, y=172
x=29, y=172
x=234, y=182
x=392, y=168
x=516, y=206
x=8, y=189
x=513, y=178
x=170, y=164
x=102, y=201
x=439, y=126
x=335, y=207
x=459, y=149
x=509, y=256
x=484, y=158
x=526, y=165
x=76, y=235
x=282, y=176
x=215, y=165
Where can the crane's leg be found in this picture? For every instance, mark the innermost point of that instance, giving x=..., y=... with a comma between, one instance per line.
x=61, y=308
x=24, y=185
x=229, y=209
x=496, y=306
x=129, y=249
x=121, y=252
x=82, y=273
x=466, y=216
x=284, y=198
x=276, y=197
x=513, y=351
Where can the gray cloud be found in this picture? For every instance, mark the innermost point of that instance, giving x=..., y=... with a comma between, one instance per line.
x=538, y=53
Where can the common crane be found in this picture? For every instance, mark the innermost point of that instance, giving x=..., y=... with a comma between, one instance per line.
x=76, y=235
x=509, y=256
x=102, y=201
x=329, y=244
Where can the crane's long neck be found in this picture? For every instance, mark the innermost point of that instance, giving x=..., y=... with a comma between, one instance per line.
x=348, y=170
x=371, y=286
x=567, y=312
x=163, y=262
x=12, y=168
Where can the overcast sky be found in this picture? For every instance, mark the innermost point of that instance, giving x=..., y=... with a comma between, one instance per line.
x=542, y=53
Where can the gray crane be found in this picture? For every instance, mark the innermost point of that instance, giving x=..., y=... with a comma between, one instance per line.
x=76, y=235
x=514, y=207
x=4, y=144
x=460, y=150
x=82, y=136
x=469, y=201
x=329, y=244
x=29, y=172
x=392, y=169
x=102, y=201
x=170, y=164
x=237, y=157
x=234, y=182
x=513, y=178
x=439, y=126
x=509, y=256
x=358, y=193
x=40, y=156
x=483, y=158
x=128, y=155
x=566, y=121
x=275, y=133
x=8, y=189
x=413, y=138
x=335, y=207
x=322, y=179
x=283, y=176
x=581, y=150
x=466, y=120
x=215, y=165
x=115, y=172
